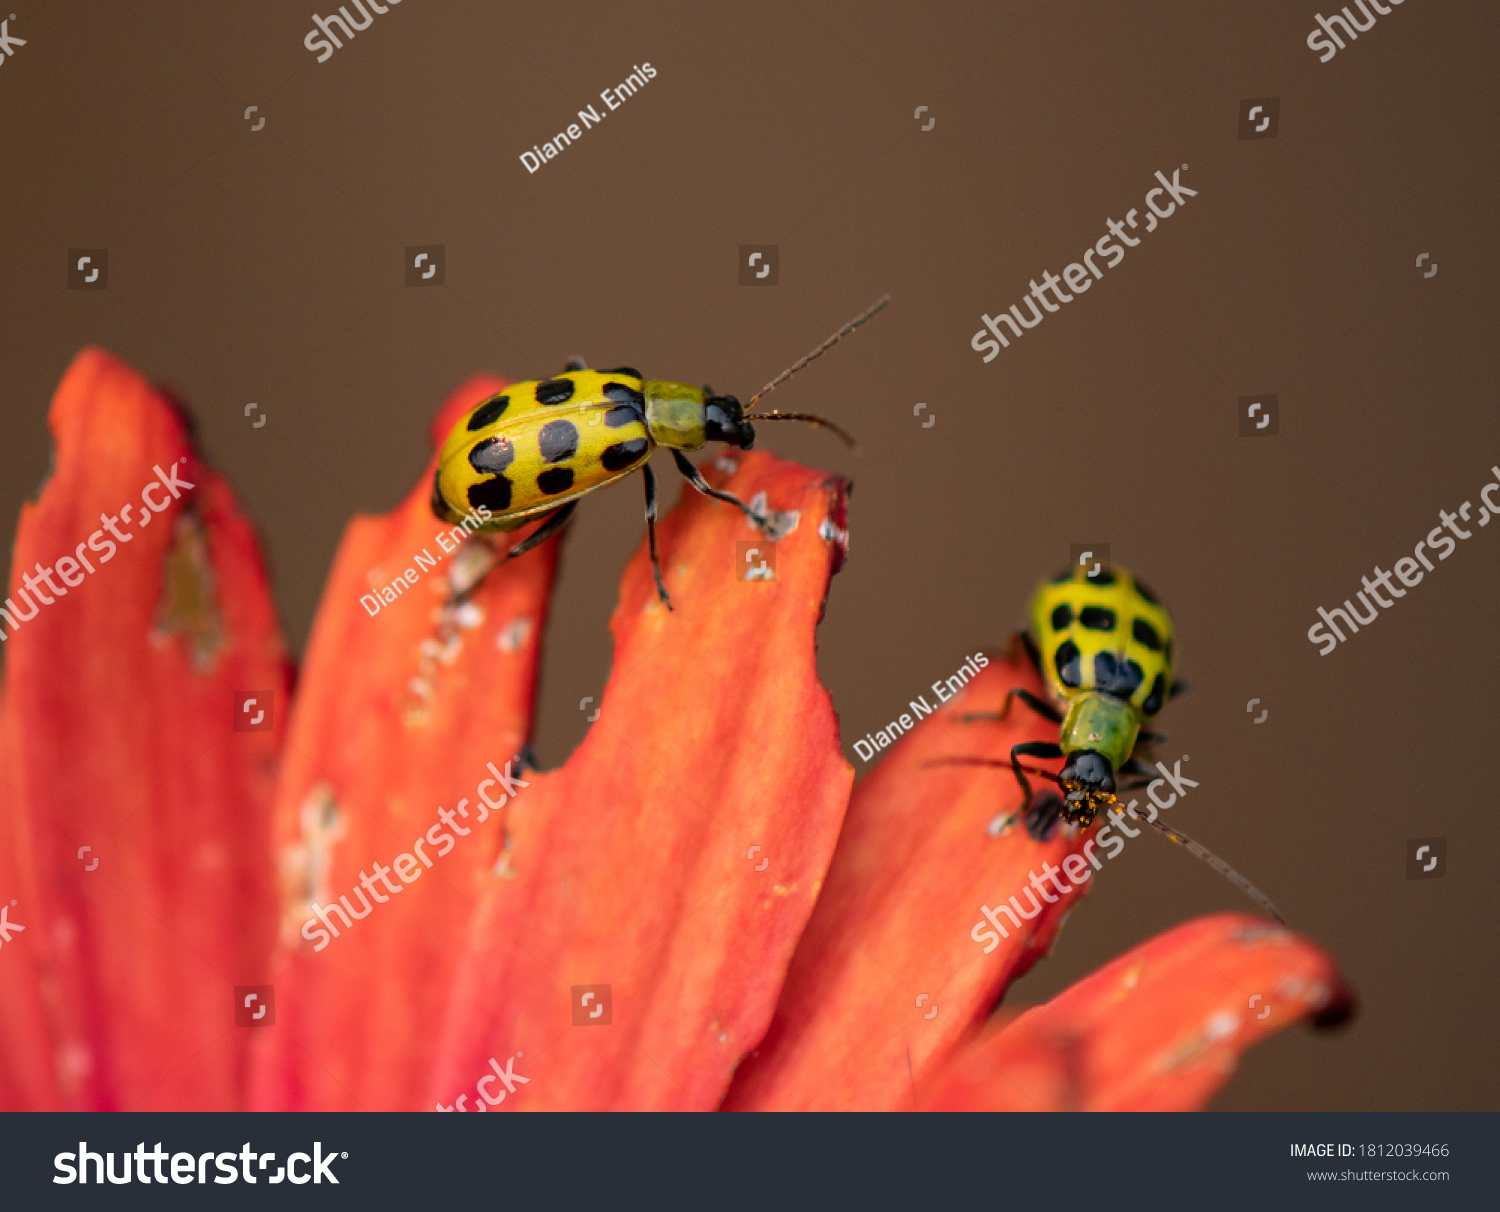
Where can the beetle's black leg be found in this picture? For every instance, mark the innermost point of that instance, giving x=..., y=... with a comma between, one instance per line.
x=661, y=590
x=1044, y=709
x=1041, y=749
x=1177, y=688
x=1032, y=651
x=1151, y=738
x=1042, y=816
x=525, y=760
x=575, y=364
x=556, y=520
x=695, y=478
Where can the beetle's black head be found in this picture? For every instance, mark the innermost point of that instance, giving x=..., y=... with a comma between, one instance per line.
x=724, y=421
x=1089, y=781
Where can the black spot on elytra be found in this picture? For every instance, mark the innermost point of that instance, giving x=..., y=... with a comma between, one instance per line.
x=623, y=454
x=1066, y=662
x=558, y=440
x=1146, y=593
x=1103, y=577
x=488, y=413
x=1062, y=617
x=1145, y=634
x=554, y=391
x=1115, y=676
x=623, y=370
x=1097, y=618
x=1153, y=700
x=555, y=480
x=492, y=456
x=621, y=414
x=621, y=394
x=492, y=494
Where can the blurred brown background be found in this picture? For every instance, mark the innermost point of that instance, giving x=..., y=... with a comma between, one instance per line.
x=267, y=266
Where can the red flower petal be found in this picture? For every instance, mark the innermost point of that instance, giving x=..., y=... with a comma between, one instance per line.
x=27, y=1079
x=1159, y=1029
x=891, y=941
x=398, y=714
x=677, y=855
x=117, y=733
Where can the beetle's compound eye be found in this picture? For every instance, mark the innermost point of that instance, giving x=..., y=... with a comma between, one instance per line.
x=724, y=422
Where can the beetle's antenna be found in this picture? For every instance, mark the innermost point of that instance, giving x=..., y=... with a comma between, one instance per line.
x=1182, y=839
x=1218, y=864
x=821, y=349
x=821, y=422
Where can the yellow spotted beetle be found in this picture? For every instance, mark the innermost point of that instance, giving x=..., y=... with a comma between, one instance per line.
x=532, y=450
x=1103, y=645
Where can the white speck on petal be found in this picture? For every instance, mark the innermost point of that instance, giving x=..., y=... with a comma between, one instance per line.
x=1222, y=1024
x=74, y=1063
x=830, y=533
x=1250, y=935
x=513, y=635
x=781, y=523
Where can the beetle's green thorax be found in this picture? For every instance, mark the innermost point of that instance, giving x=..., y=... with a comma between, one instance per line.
x=1102, y=723
x=1097, y=737
x=682, y=417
